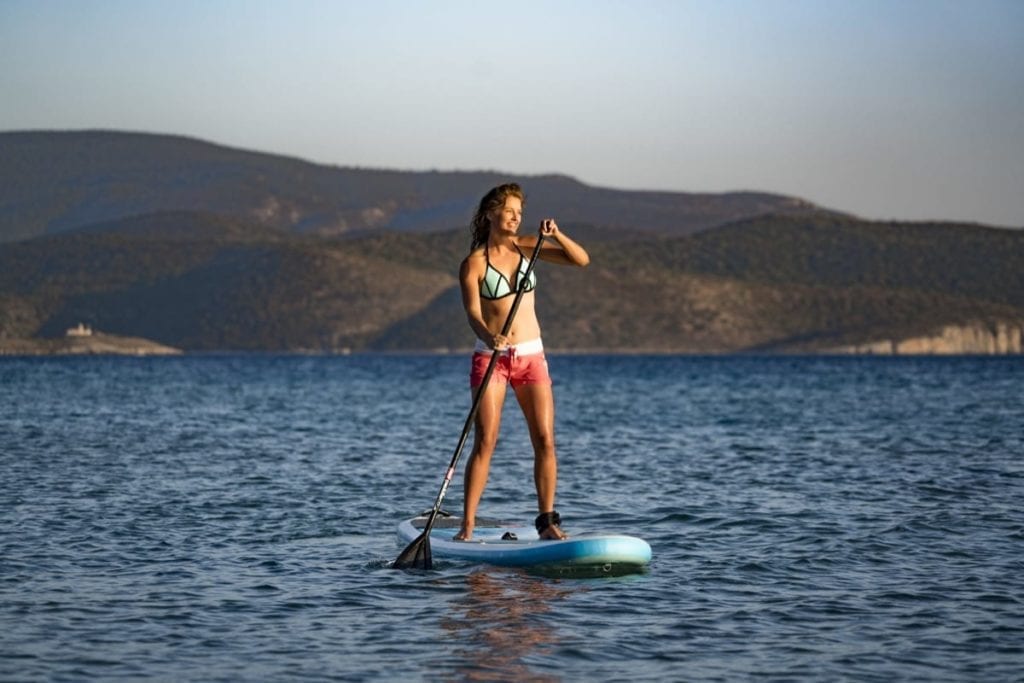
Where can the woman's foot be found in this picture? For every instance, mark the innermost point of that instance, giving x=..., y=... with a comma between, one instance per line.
x=553, y=533
x=463, y=534
x=548, y=526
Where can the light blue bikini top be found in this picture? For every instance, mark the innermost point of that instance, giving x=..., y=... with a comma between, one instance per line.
x=496, y=286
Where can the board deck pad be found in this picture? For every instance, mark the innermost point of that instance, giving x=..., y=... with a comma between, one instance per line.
x=521, y=546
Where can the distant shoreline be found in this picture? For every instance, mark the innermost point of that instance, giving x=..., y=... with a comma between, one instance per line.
x=111, y=345
x=96, y=344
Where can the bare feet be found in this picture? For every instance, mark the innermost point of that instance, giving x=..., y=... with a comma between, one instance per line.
x=464, y=534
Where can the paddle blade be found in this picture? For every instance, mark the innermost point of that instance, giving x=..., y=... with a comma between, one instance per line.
x=416, y=555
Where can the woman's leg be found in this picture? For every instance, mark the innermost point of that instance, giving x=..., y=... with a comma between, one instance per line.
x=538, y=404
x=485, y=438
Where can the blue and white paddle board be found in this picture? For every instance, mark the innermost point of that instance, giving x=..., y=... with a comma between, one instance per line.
x=511, y=545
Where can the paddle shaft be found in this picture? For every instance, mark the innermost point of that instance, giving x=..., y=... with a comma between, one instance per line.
x=480, y=392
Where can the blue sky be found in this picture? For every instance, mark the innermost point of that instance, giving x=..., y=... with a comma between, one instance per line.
x=906, y=109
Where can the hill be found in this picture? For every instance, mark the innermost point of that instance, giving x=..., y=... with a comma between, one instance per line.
x=55, y=182
x=776, y=283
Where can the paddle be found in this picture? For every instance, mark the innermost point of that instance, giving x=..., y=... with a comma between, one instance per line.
x=417, y=554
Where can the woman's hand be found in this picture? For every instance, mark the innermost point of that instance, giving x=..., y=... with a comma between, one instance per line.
x=567, y=251
x=499, y=342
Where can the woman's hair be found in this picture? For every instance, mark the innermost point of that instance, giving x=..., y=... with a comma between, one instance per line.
x=495, y=199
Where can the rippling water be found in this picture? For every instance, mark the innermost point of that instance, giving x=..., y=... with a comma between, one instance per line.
x=225, y=518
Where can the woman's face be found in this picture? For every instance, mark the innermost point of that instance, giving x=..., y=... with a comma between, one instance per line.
x=508, y=217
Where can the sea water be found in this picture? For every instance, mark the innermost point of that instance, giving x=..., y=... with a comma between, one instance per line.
x=231, y=518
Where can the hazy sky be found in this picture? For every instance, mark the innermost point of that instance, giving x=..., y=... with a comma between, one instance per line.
x=909, y=109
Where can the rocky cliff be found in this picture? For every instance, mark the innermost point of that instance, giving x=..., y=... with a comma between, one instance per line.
x=987, y=338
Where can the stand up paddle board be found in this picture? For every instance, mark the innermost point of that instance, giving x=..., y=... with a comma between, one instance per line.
x=510, y=545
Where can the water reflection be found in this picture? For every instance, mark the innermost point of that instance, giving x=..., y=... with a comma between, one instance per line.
x=499, y=623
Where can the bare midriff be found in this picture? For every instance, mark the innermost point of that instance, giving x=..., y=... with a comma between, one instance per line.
x=525, y=326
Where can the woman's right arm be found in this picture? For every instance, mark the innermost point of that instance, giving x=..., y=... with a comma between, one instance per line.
x=469, y=281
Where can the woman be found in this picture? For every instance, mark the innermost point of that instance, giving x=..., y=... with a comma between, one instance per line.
x=490, y=276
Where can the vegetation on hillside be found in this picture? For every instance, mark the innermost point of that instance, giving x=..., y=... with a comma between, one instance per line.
x=199, y=281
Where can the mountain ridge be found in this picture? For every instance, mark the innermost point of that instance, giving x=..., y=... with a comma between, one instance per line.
x=57, y=181
x=207, y=248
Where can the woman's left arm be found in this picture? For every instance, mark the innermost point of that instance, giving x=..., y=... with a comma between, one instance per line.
x=559, y=247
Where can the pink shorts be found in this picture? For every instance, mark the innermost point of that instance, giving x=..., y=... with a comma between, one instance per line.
x=517, y=365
